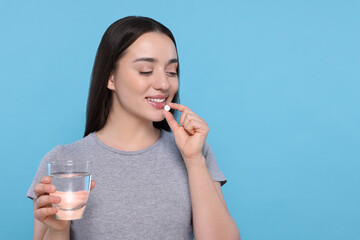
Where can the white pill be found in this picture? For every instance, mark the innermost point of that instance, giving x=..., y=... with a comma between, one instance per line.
x=167, y=108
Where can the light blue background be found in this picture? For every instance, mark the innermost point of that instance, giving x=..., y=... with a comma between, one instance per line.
x=277, y=81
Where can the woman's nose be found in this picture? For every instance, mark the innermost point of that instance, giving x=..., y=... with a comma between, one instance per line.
x=161, y=81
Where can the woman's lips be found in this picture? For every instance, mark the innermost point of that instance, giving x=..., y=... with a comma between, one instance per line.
x=157, y=101
x=158, y=105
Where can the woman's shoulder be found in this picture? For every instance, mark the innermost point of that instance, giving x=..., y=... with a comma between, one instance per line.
x=77, y=147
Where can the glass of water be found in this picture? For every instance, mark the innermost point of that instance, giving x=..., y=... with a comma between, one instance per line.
x=72, y=181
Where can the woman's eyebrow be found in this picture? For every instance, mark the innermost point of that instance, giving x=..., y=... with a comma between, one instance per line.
x=152, y=60
x=174, y=60
x=146, y=59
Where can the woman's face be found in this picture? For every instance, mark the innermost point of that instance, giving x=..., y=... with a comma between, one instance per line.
x=145, y=78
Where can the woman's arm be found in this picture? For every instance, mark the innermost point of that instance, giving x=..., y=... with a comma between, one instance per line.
x=42, y=232
x=46, y=226
x=211, y=219
x=39, y=228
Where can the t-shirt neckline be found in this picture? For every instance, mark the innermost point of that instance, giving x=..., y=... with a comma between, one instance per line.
x=98, y=141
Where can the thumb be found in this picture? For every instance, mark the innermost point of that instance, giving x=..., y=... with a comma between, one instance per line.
x=92, y=184
x=171, y=121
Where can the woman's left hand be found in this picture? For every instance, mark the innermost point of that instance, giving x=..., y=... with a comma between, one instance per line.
x=191, y=134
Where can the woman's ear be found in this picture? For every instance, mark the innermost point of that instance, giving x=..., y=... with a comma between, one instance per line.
x=111, y=83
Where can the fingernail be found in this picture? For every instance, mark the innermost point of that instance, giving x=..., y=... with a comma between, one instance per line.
x=46, y=179
x=51, y=188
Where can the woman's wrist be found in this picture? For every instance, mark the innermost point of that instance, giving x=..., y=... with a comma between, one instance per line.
x=63, y=234
x=195, y=162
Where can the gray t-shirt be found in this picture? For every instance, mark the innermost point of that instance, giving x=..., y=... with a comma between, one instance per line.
x=138, y=194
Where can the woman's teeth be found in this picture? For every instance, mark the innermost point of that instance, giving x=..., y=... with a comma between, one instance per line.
x=157, y=99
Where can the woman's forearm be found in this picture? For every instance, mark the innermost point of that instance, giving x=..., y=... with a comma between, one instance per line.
x=211, y=219
x=57, y=235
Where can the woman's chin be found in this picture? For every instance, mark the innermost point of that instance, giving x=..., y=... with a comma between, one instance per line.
x=157, y=117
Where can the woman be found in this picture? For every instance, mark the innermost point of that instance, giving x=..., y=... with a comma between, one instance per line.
x=151, y=184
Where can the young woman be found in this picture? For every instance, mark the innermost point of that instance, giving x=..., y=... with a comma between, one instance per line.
x=155, y=178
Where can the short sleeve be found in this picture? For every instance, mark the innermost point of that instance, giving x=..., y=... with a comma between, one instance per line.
x=41, y=172
x=212, y=165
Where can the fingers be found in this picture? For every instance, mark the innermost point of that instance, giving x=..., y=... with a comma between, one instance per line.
x=187, y=115
x=191, y=122
x=188, y=124
x=42, y=190
x=45, y=200
x=44, y=212
x=178, y=107
x=185, y=111
x=184, y=114
x=44, y=187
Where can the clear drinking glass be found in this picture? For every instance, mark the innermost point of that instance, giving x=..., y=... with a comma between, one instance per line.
x=72, y=181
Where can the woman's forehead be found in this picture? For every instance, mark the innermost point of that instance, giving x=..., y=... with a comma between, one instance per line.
x=152, y=45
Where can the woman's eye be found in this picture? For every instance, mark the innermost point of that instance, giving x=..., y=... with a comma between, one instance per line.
x=145, y=73
x=172, y=74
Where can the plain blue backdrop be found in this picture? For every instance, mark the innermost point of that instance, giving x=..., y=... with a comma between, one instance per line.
x=277, y=81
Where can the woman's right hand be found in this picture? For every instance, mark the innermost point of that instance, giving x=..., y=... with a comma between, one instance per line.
x=43, y=209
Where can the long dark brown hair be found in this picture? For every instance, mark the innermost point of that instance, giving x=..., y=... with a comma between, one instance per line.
x=117, y=38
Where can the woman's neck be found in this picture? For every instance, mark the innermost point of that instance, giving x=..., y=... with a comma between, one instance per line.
x=127, y=133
